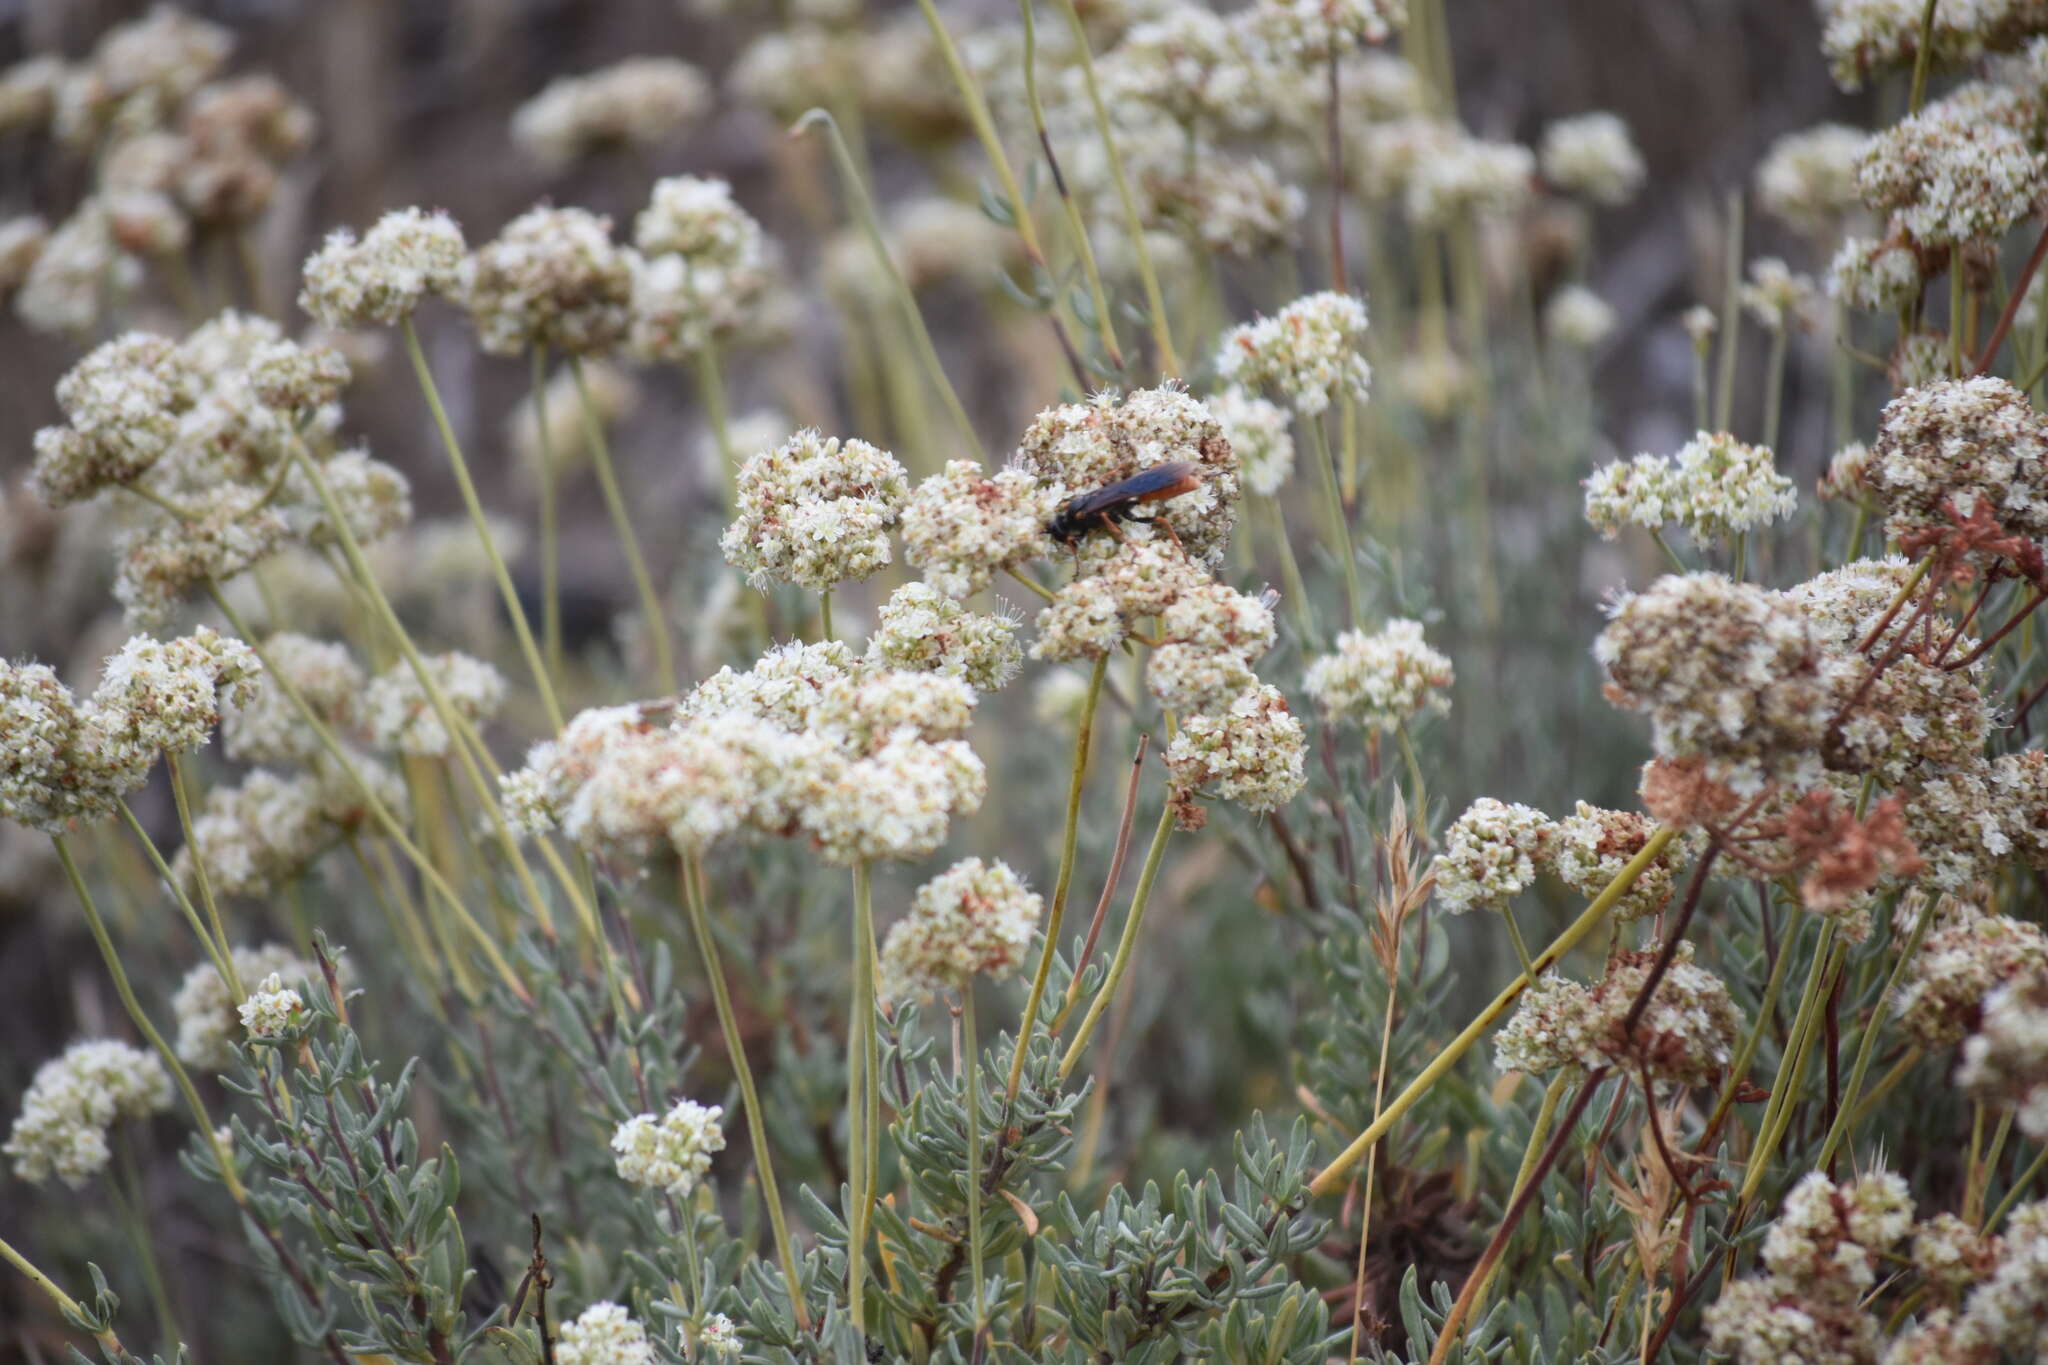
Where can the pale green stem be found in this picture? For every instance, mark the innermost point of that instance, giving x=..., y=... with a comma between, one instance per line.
x=378, y=811
x=1134, y=226
x=550, y=515
x=1083, y=736
x=1731, y=316
x=1867, y=1049
x=757, y=1118
x=128, y=1194
x=467, y=487
x=1126, y=943
x=1290, y=567
x=1418, y=792
x=864, y=214
x=1786, y=1085
x=222, y=1157
x=1920, y=58
x=711, y=392
x=825, y=616
x=1333, y=1174
x=1774, y=390
x=1767, y=1008
x=183, y=801
x=861, y=1082
x=1339, y=524
x=622, y=526
x=1677, y=564
x=1538, y=1134
x=69, y=1307
x=223, y=963
x=1507, y=915
x=972, y=1064
x=2018, y=1190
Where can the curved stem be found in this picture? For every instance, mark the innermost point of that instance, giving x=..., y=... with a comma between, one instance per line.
x=69, y=1307
x=1868, y=1047
x=1126, y=944
x=550, y=534
x=222, y=961
x=179, y=797
x=757, y=1119
x=475, y=507
x=622, y=526
x=971, y=1066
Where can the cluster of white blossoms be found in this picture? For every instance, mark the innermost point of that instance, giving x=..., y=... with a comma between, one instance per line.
x=1686, y=1035
x=963, y=526
x=268, y=727
x=1716, y=487
x=1307, y=30
x=1866, y=38
x=701, y=268
x=1593, y=155
x=1491, y=855
x=1261, y=435
x=1966, y=955
x=1249, y=752
x=865, y=761
x=260, y=834
x=1210, y=637
x=1808, y=178
x=400, y=716
x=1875, y=277
x=672, y=1151
x=409, y=254
x=975, y=918
x=208, y=1018
x=2005, y=1060
x=1381, y=681
x=553, y=277
x=72, y=1101
x=604, y=1334
x=1469, y=177
x=1976, y=444
x=1822, y=1259
x=1729, y=673
x=814, y=511
x=1960, y=171
x=121, y=402
x=1990, y=1292
x=1774, y=294
x=924, y=631
x=70, y=759
x=638, y=103
x=1310, y=351
x=272, y=1010
x=1577, y=317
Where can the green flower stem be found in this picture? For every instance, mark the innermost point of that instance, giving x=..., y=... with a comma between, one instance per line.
x=1731, y=317
x=1083, y=735
x=970, y=1064
x=1290, y=567
x=2012, y=1196
x=864, y=213
x=1332, y=1175
x=129, y=1198
x=711, y=393
x=68, y=1307
x=622, y=526
x=1419, y=794
x=1920, y=58
x=475, y=507
x=1774, y=387
x=1785, y=1086
x=222, y=1157
x=757, y=1118
x=1120, y=963
x=515, y=855
x=1867, y=1049
x=183, y=801
x=1507, y=915
x=1339, y=524
x=386, y=823
x=1538, y=1133
x=1767, y=1008
x=550, y=517
x=825, y=616
x=859, y=1080
x=223, y=962
x=1134, y=227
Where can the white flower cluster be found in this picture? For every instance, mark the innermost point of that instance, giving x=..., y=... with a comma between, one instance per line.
x=1491, y=855
x=1774, y=294
x=1249, y=752
x=1808, y=178
x=1577, y=317
x=638, y=103
x=604, y=1334
x=268, y=727
x=1380, y=681
x=701, y=271
x=209, y=1021
x=259, y=835
x=1470, y=177
x=1210, y=637
x=814, y=511
x=1716, y=487
x=1960, y=171
x=1309, y=351
x=1972, y=442
x=2006, y=1059
x=273, y=1010
x=1875, y=277
x=1306, y=30
x=408, y=255
x=924, y=631
x=121, y=402
x=1685, y=1036
x=1593, y=155
x=964, y=525
x=74, y=1098
x=671, y=1151
x=553, y=277
x=1260, y=434
x=400, y=716
x=166, y=697
x=975, y=918
x=1865, y=38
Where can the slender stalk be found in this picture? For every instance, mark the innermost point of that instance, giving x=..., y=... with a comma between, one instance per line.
x=1774, y=386
x=2013, y=1195
x=862, y=1085
x=711, y=393
x=1083, y=735
x=1920, y=58
x=1867, y=1048
x=622, y=526
x=1121, y=962
x=222, y=1157
x=67, y=1306
x=180, y=798
x=1134, y=226
x=550, y=517
x=1290, y=567
x=757, y=1118
x=1731, y=317
x=971, y=1065
x=475, y=507
x=825, y=616
x=1530, y=1153
x=863, y=206
x=1340, y=526
x=1507, y=916
x=1767, y=1008
x=1331, y=1175
x=1116, y=871
x=1786, y=1086
x=223, y=962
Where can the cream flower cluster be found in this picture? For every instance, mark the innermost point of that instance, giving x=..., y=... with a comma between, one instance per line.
x=1380, y=681
x=273, y=1010
x=72, y=1101
x=671, y=1151
x=1716, y=487
x=409, y=254
x=701, y=270
x=1249, y=752
x=604, y=1334
x=1808, y=178
x=1686, y=1036
x=638, y=103
x=963, y=525
x=1875, y=277
x=1309, y=351
x=1210, y=637
x=260, y=834
x=209, y=1022
x=1577, y=317
x=1962, y=170
x=1261, y=434
x=1973, y=443
x=1491, y=855
x=924, y=631
x=975, y=918
x=401, y=717
x=553, y=277
x=815, y=511
x=1592, y=155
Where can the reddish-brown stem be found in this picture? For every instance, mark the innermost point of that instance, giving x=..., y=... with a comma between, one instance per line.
x=1116, y=860
x=2012, y=306
x=1990, y=641
x=1671, y=942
